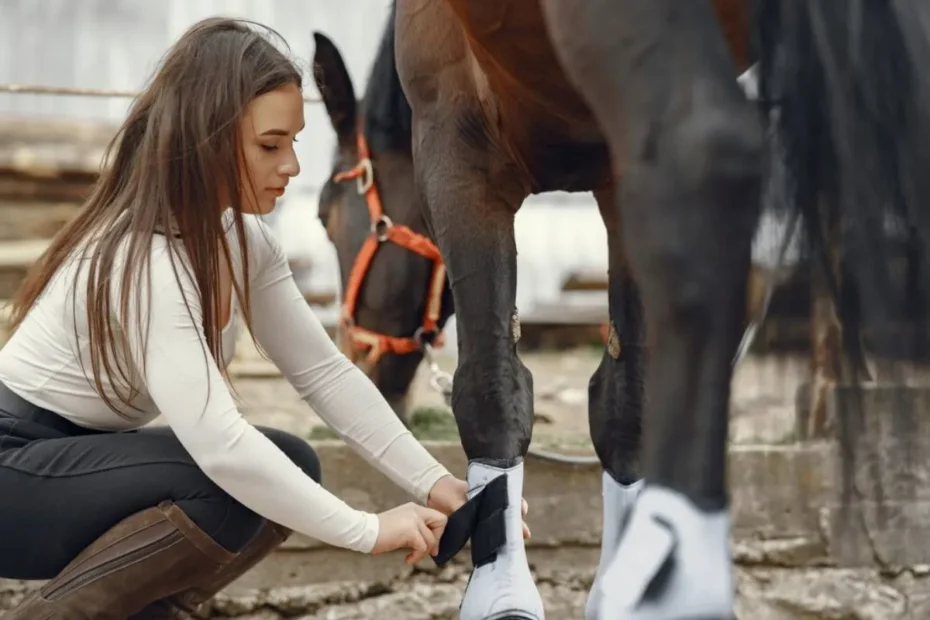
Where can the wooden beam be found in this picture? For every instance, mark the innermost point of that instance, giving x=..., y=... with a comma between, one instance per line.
x=21, y=254
x=42, y=148
x=585, y=280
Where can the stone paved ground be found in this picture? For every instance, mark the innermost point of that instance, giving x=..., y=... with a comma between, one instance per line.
x=763, y=593
x=424, y=595
x=427, y=595
x=423, y=600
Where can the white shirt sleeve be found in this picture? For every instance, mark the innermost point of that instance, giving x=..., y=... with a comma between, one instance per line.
x=186, y=385
x=341, y=394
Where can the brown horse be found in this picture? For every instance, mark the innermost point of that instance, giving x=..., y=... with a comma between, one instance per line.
x=517, y=127
x=639, y=91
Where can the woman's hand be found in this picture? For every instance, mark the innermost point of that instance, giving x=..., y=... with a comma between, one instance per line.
x=410, y=526
x=449, y=494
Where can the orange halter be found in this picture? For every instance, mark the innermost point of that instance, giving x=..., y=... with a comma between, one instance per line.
x=383, y=230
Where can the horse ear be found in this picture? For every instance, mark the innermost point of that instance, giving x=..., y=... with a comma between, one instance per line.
x=335, y=86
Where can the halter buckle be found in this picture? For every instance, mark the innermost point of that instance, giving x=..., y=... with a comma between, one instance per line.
x=381, y=228
x=367, y=177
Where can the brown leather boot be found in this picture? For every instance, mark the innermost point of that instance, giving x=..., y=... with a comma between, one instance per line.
x=185, y=603
x=146, y=557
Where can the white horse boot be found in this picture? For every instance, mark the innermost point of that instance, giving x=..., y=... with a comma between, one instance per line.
x=618, y=499
x=673, y=562
x=501, y=586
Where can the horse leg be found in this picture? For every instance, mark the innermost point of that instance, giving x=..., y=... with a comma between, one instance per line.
x=659, y=78
x=470, y=208
x=492, y=392
x=615, y=398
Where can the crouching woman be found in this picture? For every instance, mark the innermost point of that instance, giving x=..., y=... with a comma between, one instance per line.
x=132, y=314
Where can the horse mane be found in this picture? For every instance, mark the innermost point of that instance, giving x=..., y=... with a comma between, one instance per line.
x=387, y=114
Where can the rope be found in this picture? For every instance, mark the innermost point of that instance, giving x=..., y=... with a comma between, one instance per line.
x=38, y=89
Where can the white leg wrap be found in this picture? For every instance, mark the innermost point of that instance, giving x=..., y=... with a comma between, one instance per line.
x=681, y=548
x=618, y=499
x=503, y=587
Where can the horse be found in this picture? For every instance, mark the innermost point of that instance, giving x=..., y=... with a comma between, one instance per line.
x=373, y=148
x=397, y=304
x=492, y=119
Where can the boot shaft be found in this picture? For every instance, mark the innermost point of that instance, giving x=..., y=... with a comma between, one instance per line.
x=148, y=556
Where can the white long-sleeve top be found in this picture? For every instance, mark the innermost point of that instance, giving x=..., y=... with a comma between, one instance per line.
x=42, y=362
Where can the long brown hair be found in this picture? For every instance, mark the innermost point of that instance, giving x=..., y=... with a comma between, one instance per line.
x=174, y=165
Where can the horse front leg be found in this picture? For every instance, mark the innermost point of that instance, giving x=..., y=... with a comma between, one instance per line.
x=660, y=79
x=471, y=201
x=615, y=398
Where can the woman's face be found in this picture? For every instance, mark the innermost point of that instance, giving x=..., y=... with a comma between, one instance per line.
x=269, y=127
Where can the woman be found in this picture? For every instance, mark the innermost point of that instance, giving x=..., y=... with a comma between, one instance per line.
x=133, y=312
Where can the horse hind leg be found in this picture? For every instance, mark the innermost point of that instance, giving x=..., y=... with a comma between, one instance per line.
x=658, y=76
x=615, y=400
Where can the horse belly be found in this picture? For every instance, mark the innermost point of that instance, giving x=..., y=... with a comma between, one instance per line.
x=733, y=16
x=545, y=122
x=509, y=41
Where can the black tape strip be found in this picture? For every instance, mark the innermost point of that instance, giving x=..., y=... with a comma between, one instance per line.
x=489, y=533
x=458, y=528
x=482, y=519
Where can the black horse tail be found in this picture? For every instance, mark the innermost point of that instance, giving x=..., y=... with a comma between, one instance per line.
x=845, y=89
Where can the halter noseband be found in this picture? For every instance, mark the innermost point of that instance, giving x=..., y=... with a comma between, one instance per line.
x=383, y=230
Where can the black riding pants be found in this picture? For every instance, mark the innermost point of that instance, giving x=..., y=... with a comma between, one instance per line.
x=62, y=486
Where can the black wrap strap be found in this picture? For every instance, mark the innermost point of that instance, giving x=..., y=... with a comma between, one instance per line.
x=482, y=519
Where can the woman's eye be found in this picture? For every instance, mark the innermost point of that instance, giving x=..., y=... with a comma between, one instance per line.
x=269, y=147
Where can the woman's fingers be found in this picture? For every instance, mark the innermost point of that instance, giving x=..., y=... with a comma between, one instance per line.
x=423, y=541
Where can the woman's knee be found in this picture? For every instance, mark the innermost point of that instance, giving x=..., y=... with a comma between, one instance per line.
x=298, y=450
x=234, y=524
x=230, y=524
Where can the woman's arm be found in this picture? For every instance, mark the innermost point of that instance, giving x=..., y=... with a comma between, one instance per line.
x=340, y=393
x=188, y=389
